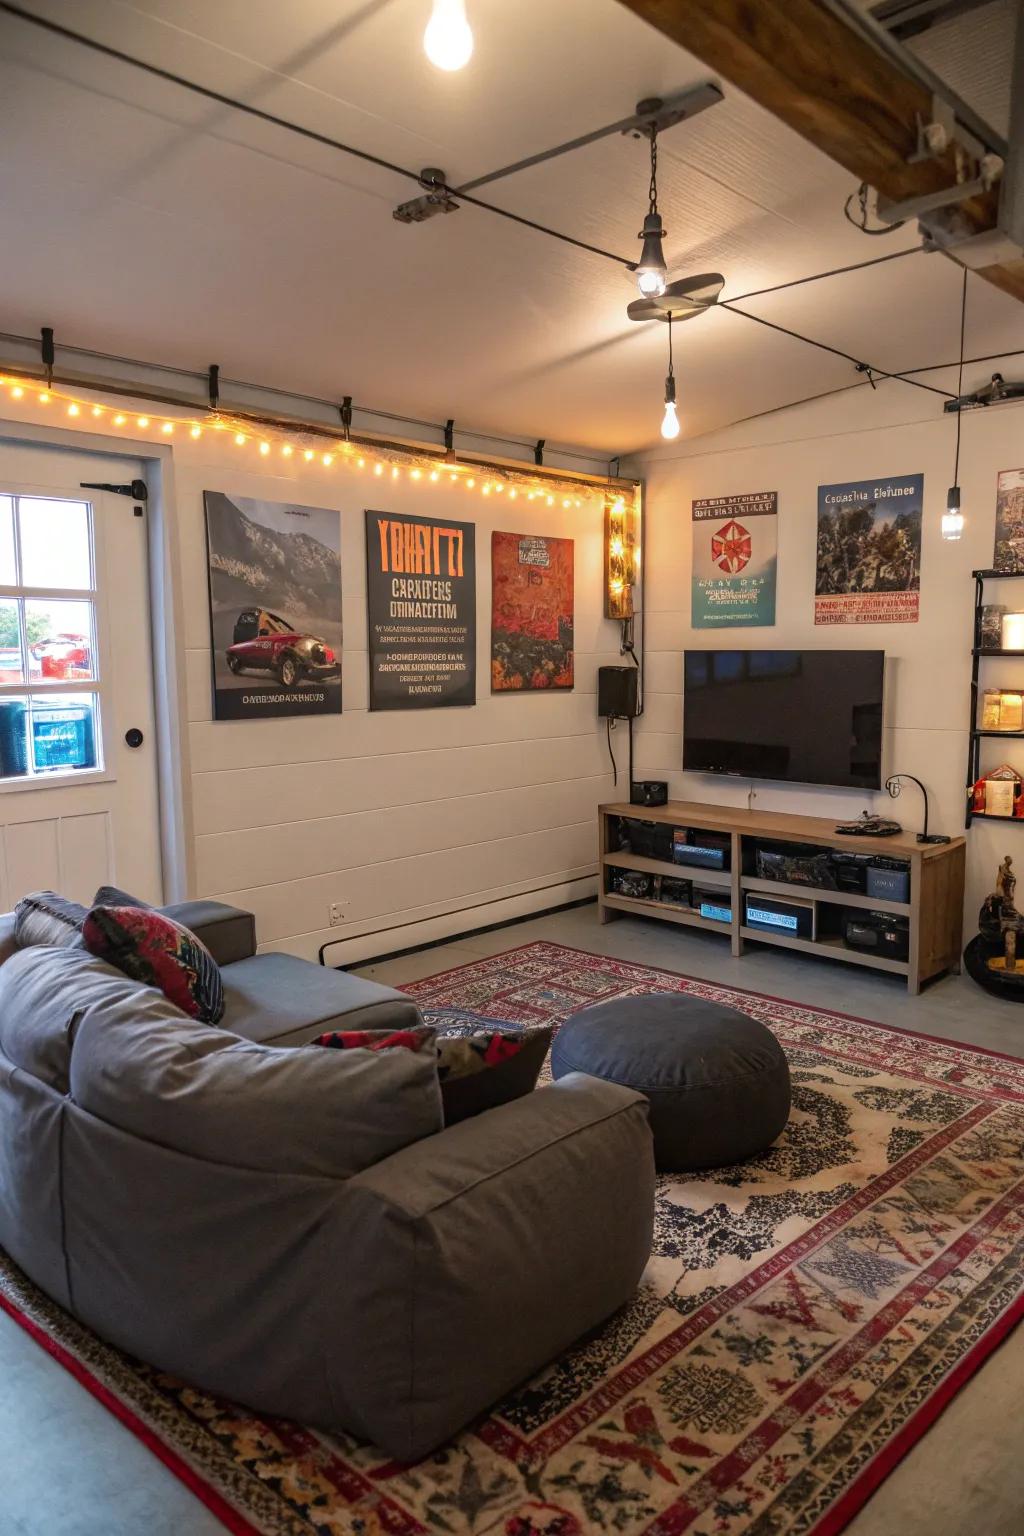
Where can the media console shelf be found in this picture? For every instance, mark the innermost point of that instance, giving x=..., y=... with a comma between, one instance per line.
x=934, y=910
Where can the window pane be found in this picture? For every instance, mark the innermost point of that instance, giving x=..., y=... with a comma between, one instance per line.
x=60, y=641
x=65, y=733
x=13, y=738
x=10, y=642
x=8, y=569
x=56, y=547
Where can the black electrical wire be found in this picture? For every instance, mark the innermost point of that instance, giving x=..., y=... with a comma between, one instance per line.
x=233, y=102
x=611, y=754
x=824, y=346
x=815, y=277
x=960, y=379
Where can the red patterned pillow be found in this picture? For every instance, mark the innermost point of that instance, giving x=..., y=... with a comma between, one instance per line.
x=375, y=1039
x=481, y=1070
x=153, y=949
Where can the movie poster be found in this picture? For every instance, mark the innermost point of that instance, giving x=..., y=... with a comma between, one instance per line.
x=275, y=607
x=421, y=611
x=869, y=551
x=735, y=559
x=531, y=613
x=1009, y=546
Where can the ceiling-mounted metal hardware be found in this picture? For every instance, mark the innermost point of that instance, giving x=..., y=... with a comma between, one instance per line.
x=438, y=198
x=935, y=136
x=868, y=371
x=654, y=112
x=46, y=349
x=538, y=450
x=449, y=440
x=682, y=300
x=996, y=392
x=213, y=385
x=345, y=412
x=990, y=169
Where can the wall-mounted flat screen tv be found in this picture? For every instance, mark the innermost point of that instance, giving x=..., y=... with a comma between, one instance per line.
x=805, y=717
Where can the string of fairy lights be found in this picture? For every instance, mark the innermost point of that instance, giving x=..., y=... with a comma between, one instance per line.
x=395, y=463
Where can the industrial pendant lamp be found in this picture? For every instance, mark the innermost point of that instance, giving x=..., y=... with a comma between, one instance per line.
x=953, y=518
x=670, y=421
x=651, y=271
x=448, y=40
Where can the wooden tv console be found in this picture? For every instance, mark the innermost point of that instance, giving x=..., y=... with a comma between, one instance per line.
x=934, y=910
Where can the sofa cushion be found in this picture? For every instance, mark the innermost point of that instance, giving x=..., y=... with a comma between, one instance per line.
x=48, y=918
x=8, y=943
x=229, y=933
x=154, y=949
x=491, y=1067
x=281, y=1000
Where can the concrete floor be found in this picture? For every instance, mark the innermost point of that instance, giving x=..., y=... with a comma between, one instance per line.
x=67, y=1468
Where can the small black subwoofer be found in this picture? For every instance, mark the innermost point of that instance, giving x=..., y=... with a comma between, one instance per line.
x=617, y=692
x=648, y=792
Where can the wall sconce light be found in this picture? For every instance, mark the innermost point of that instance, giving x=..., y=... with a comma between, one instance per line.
x=621, y=556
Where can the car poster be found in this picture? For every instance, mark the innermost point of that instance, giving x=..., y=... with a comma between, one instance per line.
x=735, y=559
x=1009, y=546
x=275, y=607
x=531, y=613
x=869, y=551
x=421, y=611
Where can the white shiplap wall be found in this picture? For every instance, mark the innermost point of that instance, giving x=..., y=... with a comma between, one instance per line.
x=418, y=823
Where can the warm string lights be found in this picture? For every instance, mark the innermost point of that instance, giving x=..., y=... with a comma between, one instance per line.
x=398, y=464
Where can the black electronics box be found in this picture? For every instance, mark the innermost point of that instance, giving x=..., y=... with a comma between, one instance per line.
x=678, y=893
x=713, y=905
x=889, y=879
x=877, y=933
x=617, y=693
x=795, y=864
x=850, y=871
x=649, y=839
x=776, y=914
x=707, y=850
x=648, y=792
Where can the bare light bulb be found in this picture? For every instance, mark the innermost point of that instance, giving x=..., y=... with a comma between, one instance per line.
x=670, y=420
x=952, y=518
x=651, y=284
x=448, y=40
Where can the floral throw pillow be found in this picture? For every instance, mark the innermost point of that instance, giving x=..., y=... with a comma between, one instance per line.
x=376, y=1039
x=488, y=1068
x=155, y=950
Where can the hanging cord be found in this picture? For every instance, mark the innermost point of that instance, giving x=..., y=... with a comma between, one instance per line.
x=653, y=191
x=671, y=373
x=960, y=382
x=862, y=222
x=609, y=722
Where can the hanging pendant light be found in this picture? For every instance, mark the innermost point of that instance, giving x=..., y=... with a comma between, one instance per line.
x=953, y=518
x=670, y=420
x=651, y=271
x=448, y=40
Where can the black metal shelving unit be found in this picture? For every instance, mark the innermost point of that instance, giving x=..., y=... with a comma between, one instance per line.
x=977, y=734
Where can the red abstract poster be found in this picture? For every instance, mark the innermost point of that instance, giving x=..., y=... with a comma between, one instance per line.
x=531, y=612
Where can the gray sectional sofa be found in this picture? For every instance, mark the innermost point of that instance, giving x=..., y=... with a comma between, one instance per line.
x=294, y=1229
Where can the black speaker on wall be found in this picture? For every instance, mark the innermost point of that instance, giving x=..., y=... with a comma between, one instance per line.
x=617, y=692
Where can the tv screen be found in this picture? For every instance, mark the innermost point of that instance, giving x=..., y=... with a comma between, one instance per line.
x=805, y=717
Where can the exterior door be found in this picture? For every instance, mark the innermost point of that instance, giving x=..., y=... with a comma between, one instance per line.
x=78, y=802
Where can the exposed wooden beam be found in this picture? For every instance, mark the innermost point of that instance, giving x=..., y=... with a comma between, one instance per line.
x=802, y=63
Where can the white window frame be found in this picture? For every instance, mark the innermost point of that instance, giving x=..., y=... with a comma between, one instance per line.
x=97, y=687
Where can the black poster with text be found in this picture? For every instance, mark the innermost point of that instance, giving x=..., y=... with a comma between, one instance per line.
x=421, y=611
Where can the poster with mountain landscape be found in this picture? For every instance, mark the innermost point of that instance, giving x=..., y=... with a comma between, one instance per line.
x=869, y=551
x=275, y=607
x=531, y=613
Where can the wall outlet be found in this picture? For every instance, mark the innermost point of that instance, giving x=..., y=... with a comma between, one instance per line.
x=337, y=913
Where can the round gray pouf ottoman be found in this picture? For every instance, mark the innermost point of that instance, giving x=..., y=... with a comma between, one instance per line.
x=717, y=1080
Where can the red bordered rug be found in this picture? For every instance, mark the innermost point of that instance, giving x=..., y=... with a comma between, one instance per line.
x=804, y=1319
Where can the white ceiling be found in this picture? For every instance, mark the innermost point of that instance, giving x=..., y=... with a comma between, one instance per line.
x=138, y=218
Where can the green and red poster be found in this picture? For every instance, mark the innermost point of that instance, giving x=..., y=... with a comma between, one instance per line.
x=531, y=613
x=735, y=556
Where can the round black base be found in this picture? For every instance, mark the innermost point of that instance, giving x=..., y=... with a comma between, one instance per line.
x=1008, y=984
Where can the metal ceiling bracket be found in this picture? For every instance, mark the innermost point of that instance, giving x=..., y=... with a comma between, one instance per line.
x=213, y=385
x=996, y=392
x=538, y=451
x=47, y=352
x=438, y=199
x=989, y=171
x=449, y=440
x=935, y=137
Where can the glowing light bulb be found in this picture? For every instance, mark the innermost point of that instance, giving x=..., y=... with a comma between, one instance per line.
x=264, y=449
x=470, y=483
x=143, y=421
x=651, y=284
x=168, y=427
x=551, y=501
x=487, y=490
x=195, y=432
x=73, y=410
x=239, y=439
x=287, y=450
x=616, y=548
x=394, y=471
x=512, y=494
x=44, y=398
x=415, y=474
x=953, y=518
x=670, y=421
x=309, y=455
x=360, y=463
x=118, y=421
x=17, y=392
x=448, y=40
x=97, y=410
x=434, y=474
x=328, y=460
x=453, y=476
x=378, y=469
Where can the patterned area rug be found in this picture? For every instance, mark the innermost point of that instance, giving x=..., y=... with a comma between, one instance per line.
x=805, y=1317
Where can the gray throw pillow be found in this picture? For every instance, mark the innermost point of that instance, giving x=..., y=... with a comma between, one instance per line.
x=111, y=896
x=48, y=918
